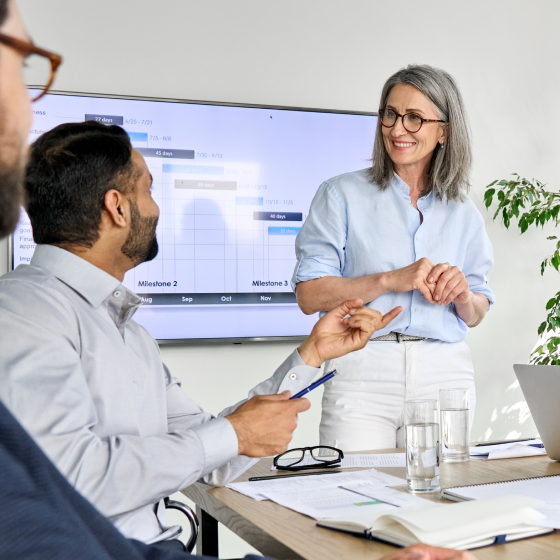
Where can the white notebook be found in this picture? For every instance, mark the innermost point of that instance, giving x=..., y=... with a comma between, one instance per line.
x=545, y=488
x=461, y=526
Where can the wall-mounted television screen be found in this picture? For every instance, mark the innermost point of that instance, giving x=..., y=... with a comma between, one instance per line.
x=234, y=184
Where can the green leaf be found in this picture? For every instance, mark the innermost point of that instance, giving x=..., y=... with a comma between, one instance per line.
x=503, y=183
x=552, y=237
x=506, y=218
x=489, y=192
x=542, y=326
x=555, y=261
x=550, y=303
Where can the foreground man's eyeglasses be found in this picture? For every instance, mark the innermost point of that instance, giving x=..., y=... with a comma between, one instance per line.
x=39, y=70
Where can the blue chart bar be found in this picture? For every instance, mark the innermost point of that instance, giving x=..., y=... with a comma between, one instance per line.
x=193, y=169
x=138, y=136
x=275, y=230
x=249, y=200
x=278, y=216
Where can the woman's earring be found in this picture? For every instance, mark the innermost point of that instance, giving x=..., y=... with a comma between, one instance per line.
x=441, y=145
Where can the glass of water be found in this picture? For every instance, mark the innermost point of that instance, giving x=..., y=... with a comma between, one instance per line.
x=455, y=425
x=422, y=445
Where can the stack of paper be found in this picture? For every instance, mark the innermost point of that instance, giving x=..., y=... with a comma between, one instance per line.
x=529, y=448
x=331, y=495
x=347, y=499
x=259, y=489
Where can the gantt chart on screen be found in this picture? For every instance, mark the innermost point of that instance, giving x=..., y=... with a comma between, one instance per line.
x=234, y=185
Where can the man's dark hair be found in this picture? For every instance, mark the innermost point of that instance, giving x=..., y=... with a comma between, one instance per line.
x=3, y=10
x=71, y=168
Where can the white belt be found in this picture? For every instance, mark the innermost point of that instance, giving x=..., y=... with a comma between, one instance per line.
x=397, y=337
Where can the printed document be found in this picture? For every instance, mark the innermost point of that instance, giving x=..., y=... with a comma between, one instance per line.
x=258, y=489
x=508, y=450
x=344, y=500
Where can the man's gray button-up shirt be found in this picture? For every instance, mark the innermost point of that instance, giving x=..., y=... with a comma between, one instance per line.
x=89, y=385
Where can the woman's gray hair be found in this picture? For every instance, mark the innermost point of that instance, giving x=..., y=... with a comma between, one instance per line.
x=449, y=173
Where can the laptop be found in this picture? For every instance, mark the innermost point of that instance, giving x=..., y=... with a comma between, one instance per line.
x=541, y=389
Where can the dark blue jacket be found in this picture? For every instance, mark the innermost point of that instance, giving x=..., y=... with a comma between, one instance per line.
x=43, y=517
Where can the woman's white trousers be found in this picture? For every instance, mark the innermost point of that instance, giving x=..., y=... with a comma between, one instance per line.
x=363, y=405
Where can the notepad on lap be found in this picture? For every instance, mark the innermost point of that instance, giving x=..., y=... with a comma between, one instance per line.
x=462, y=526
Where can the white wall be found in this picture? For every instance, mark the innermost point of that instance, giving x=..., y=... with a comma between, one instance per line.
x=505, y=55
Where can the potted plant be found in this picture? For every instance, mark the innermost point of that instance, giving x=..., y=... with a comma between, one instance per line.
x=532, y=205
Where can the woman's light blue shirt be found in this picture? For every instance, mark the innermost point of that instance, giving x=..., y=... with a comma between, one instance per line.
x=354, y=229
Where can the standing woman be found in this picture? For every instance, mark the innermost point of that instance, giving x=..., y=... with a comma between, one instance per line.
x=401, y=233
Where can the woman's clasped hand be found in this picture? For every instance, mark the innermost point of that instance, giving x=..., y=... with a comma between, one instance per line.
x=441, y=284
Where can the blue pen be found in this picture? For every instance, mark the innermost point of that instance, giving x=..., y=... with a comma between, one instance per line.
x=315, y=385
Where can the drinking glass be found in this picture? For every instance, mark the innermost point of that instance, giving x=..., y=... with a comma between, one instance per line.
x=455, y=425
x=422, y=445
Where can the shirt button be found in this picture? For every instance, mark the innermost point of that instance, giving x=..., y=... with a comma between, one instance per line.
x=117, y=293
x=417, y=309
x=293, y=376
x=417, y=239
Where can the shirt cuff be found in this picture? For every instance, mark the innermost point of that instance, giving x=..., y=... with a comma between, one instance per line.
x=485, y=291
x=219, y=442
x=311, y=269
x=297, y=375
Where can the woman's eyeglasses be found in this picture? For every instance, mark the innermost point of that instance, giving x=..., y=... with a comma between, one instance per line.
x=410, y=121
x=319, y=456
x=40, y=67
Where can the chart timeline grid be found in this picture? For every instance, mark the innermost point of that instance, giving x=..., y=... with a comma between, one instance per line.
x=233, y=184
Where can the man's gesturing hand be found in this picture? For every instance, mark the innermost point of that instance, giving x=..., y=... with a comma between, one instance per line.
x=335, y=334
x=264, y=424
x=449, y=284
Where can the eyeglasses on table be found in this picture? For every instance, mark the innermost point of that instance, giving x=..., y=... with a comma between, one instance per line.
x=323, y=455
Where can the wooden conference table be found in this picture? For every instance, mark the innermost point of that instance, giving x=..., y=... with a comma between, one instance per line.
x=281, y=533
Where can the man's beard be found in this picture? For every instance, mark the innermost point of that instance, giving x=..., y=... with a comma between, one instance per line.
x=141, y=244
x=11, y=197
x=12, y=175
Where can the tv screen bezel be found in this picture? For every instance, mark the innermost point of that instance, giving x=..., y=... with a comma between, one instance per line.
x=183, y=341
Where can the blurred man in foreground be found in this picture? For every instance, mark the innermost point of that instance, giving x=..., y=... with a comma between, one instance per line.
x=45, y=517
